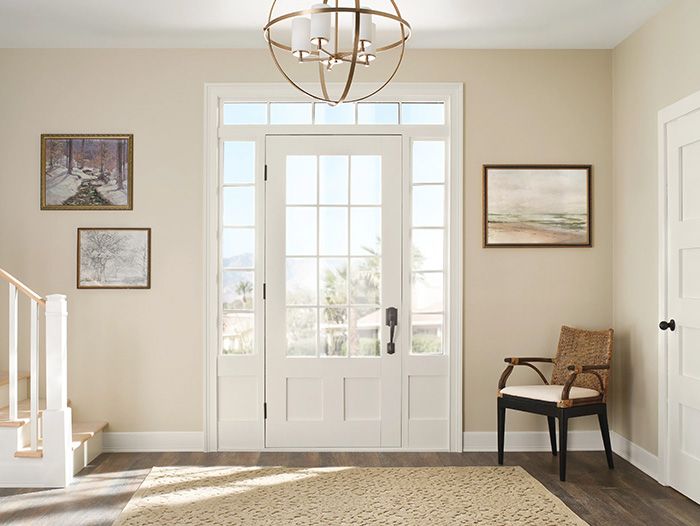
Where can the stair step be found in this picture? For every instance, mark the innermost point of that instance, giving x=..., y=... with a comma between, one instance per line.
x=23, y=413
x=5, y=377
x=24, y=408
x=22, y=387
x=28, y=453
x=14, y=423
x=82, y=432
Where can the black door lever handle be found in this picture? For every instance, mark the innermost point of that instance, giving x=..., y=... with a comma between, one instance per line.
x=668, y=325
x=392, y=319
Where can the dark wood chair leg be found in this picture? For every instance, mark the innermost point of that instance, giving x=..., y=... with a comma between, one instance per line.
x=501, y=431
x=552, y=434
x=605, y=431
x=563, y=429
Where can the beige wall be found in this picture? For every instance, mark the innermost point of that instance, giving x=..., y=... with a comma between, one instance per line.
x=135, y=357
x=656, y=66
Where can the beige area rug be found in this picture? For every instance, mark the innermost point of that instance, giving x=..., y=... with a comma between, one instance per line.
x=499, y=496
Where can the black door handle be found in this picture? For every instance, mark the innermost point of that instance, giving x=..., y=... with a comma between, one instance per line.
x=392, y=319
x=668, y=325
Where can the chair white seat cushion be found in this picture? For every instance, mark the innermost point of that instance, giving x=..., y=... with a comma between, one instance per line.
x=547, y=393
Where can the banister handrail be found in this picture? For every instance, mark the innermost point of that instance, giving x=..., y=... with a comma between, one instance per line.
x=6, y=276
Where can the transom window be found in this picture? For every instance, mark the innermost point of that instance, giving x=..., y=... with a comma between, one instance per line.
x=320, y=113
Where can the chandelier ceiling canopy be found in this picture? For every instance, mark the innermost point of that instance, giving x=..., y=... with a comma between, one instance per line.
x=337, y=38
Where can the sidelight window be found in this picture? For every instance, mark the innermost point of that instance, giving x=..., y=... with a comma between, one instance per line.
x=428, y=222
x=237, y=247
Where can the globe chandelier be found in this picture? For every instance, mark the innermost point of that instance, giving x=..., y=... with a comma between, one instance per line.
x=335, y=35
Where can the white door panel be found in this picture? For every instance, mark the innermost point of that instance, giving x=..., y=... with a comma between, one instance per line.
x=683, y=257
x=333, y=265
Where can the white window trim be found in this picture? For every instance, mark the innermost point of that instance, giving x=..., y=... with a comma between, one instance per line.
x=215, y=93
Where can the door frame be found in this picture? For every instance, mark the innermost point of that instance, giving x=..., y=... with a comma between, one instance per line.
x=217, y=93
x=667, y=115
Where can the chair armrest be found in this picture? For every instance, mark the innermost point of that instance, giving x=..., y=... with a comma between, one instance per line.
x=522, y=361
x=575, y=371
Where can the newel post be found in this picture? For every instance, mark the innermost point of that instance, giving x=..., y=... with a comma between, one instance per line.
x=56, y=352
x=58, y=453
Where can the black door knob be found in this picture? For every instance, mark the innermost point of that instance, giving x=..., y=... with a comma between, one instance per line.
x=668, y=325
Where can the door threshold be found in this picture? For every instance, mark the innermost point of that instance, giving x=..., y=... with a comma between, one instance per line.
x=336, y=450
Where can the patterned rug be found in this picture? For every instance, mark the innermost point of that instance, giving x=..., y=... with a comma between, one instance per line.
x=255, y=496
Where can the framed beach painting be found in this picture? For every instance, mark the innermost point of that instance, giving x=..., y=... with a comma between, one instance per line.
x=537, y=205
x=87, y=172
x=114, y=258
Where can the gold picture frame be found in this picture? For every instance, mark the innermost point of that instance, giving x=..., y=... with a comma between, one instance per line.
x=87, y=171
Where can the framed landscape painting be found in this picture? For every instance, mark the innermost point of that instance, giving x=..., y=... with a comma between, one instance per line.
x=87, y=172
x=114, y=258
x=537, y=205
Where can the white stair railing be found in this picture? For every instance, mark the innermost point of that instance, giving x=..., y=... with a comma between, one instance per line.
x=53, y=460
x=34, y=376
x=35, y=300
x=12, y=369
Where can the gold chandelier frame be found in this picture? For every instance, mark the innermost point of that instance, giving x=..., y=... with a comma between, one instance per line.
x=351, y=57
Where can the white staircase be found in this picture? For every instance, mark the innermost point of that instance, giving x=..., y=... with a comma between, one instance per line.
x=40, y=446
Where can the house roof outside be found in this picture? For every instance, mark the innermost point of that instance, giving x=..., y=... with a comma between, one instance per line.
x=375, y=319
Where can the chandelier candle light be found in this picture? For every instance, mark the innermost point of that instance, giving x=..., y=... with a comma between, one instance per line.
x=316, y=37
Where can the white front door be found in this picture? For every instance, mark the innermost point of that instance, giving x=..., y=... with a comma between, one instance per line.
x=333, y=233
x=683, y=259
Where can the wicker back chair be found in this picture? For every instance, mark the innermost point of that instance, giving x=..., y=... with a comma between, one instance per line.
x=578, y=387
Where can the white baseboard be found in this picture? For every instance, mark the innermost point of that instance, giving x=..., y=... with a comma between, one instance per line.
x=117, y=442
x=635, y=455
x=578, y=441
x=476, y=441
x=473, y=441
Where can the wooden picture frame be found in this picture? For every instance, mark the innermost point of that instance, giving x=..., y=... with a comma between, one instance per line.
x=117, y=261
x=537, y=205
x=87, y=172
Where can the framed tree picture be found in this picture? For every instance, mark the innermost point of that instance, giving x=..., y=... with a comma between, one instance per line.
x=87, y=172
x=537, y=206
x=114, y=258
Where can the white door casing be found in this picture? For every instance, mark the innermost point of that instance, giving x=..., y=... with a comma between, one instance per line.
x=431, y=384
x=322, y=400
x=679, y=426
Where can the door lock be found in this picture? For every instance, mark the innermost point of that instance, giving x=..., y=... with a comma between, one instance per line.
x=392, y=319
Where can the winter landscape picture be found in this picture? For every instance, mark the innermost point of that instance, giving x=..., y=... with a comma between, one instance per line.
x=86, y=172
x=114, y=258
x=537, y=205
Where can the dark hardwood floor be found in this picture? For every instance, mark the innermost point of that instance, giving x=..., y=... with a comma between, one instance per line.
x=624, y=496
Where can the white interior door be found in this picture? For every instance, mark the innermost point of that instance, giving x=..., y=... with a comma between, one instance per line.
x=683, y=169
x=333, y=266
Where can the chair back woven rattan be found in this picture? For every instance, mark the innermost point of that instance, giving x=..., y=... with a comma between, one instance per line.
x=583, y=347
